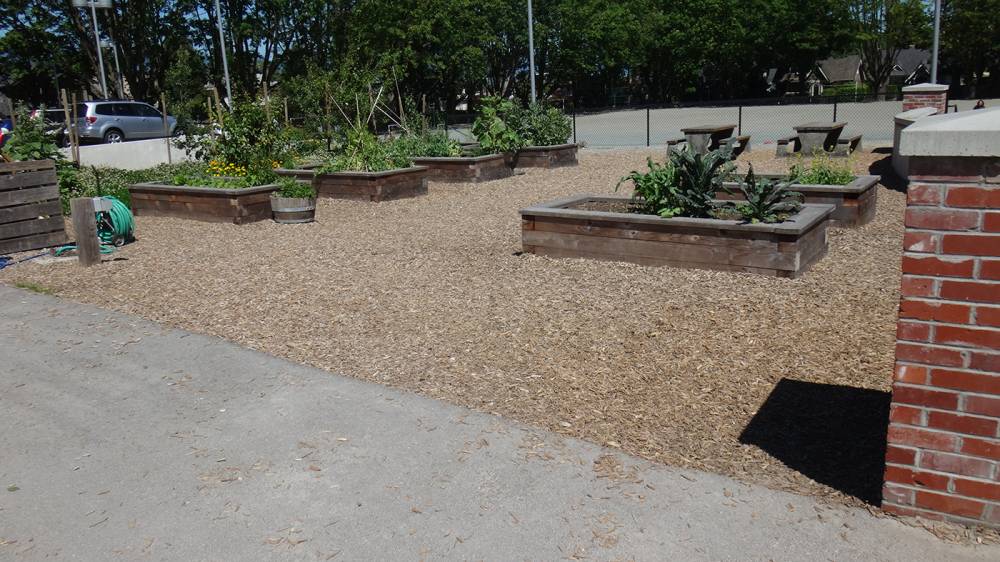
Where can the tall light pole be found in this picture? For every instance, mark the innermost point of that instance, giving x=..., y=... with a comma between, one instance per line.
x=531, y=50
x=222, y=49
x=94, y=5
x=118, y=70
x=937, y=40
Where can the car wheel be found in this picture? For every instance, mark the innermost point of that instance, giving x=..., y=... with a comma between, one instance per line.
x=113, y=136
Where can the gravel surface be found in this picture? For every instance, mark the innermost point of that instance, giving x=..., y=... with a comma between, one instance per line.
x=432, y=295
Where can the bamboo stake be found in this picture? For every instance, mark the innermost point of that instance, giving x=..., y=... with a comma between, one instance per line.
x=166, y=127
x=76, y=132
x=286, y=112
x=70, y=125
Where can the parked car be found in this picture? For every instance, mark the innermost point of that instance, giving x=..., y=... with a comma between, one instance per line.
x=120, y=120
x=55, y=122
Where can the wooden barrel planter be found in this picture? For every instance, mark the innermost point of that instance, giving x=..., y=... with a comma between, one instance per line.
x=293, y=210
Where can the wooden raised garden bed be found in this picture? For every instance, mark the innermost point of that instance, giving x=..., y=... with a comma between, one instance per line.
x=372, y=186
x=473, y=169
x=552, y=156
x=854, y=203
x=303, y=173
x=578, y=227
x=238, y=206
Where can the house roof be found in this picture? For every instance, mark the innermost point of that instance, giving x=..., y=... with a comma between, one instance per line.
x=844, y=69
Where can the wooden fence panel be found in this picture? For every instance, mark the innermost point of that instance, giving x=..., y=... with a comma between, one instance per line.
x=30, y=213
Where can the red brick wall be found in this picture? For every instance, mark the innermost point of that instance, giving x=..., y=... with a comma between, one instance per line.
x=914, y=100
x=943, y=453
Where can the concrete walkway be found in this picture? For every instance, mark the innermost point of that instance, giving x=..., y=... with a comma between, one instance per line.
x=123, y=440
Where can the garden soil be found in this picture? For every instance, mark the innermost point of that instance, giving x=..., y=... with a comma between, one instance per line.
x=776, y=381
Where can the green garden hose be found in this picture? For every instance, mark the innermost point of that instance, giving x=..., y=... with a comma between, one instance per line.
x=122, y=225
x=114, y=228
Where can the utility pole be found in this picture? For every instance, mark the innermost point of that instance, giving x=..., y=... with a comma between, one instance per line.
x=94, y=5
x=531, y=50
x=118, y=70
x=937, y=39
x=222, y=49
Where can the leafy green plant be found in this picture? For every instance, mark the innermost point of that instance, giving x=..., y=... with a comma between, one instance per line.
x=495, y=126
x=96, y=181
x=364, y=152
x=428, y=144
x=210, y=181
x=540, y=126
x=699, y=177
x=767, y=201
x=822, y=170
x=289, y=187
x=30, y=141
x=654, y=191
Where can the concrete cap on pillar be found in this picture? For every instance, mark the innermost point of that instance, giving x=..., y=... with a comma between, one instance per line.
x=925, y=87
x=966, y=133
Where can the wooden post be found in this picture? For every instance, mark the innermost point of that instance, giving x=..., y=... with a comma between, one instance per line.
x=218, y=104
x=286, y=112
x=76, y=132
x=166, y=127
x=74, y=150
x=88, y=246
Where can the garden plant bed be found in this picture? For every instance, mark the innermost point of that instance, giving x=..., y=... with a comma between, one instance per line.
x=466, y=168
x=599, y=227
x=552, y=156
x=303, y=173
x=854, y=203
x=372, y=186
x=430, y=295
x=238, y=206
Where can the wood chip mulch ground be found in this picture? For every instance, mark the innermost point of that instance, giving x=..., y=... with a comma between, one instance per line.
x=775, y=381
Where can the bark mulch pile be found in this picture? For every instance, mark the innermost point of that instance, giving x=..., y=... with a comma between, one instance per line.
x=776, y=381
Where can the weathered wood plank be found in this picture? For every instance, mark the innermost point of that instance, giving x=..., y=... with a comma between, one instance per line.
x=27, y=179
x=33, y=242
x=26, y=227
x=30, y=211
x=29, y=195
x=633, y=231
x=26, y=166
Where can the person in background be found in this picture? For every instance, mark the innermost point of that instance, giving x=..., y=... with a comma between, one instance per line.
x=980, y=105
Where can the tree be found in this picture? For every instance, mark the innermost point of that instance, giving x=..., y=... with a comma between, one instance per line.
x=884, y=28
x=970, y=43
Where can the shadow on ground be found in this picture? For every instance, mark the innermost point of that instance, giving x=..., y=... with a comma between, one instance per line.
x=833, y=434
x=883, y=167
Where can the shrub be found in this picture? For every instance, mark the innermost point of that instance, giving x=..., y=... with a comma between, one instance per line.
x=495, y=126
x=288, y=187
x=99, y=181
x=822, y=171
x=543, y=127
x=767, y=201
x=428, y=144
x=30, y=141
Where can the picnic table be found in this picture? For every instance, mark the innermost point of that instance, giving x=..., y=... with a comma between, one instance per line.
x=818, y=136
x=704, y=138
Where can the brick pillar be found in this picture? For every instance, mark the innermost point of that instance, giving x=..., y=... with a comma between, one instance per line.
x=926, y=95
x=943, y=453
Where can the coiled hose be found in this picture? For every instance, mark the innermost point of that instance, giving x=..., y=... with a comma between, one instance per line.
x=118, y=229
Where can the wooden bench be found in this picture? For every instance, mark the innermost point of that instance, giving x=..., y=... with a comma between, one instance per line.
x=740, y=144
x=788, y=146
x=848, y=145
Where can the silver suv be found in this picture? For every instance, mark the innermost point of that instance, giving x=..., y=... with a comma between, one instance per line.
x=121, y=120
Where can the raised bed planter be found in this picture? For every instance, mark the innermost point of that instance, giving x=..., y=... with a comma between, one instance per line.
x=854, y=203
x=303, y=173
x=373, y=186
x=552, y=156
x=238, y=206
x=466, y=168
x=567, y=228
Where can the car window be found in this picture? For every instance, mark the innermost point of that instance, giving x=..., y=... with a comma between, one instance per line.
x=126, y=110
x=81, y=110
x=55, y=115
x=104, y=109
x=147, y=111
